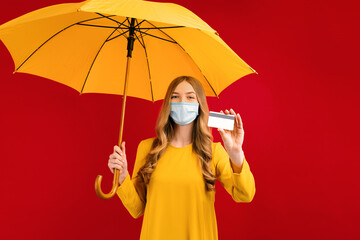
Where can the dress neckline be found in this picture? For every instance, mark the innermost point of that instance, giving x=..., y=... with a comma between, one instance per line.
x=180, y=147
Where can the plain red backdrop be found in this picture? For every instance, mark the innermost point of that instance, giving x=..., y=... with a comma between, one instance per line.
x=300, y=115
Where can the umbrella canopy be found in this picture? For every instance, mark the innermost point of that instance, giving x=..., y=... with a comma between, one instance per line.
x=83, y=45
x=88, y=46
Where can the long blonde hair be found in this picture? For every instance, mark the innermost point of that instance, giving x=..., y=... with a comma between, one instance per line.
x=201, y=135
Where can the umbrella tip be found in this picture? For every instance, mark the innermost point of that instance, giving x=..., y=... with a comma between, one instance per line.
x=253, y=70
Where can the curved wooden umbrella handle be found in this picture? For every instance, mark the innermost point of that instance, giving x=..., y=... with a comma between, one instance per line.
x=109, y=195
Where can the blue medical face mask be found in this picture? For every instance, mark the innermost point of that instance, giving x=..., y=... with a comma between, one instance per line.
x=184, y=113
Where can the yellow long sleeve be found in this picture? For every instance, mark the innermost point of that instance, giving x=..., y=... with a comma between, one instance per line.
x=132, y=192
x=241, y=186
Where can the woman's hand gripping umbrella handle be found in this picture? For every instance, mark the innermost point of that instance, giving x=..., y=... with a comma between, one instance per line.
x=118, y=166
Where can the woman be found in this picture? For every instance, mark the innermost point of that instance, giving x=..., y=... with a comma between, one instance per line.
x=173, y=182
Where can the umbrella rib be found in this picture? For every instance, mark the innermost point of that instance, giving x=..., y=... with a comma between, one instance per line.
x=101, y=26
x=148, y=65
x=163, y=27
x=118, y=27
x=108, y=17
x=139, y=40
x=189, y=57
x=158, y=37
x=50, y=39
x=92, y=64
x=138, y=24
x=121, y=34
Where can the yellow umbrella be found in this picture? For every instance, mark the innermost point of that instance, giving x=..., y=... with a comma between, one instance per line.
x=89, y=45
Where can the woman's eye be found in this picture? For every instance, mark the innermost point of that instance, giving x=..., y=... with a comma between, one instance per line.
x=173, y=97
x=191, y=97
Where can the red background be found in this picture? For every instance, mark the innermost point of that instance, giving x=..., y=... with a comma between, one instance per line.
x=300, y=115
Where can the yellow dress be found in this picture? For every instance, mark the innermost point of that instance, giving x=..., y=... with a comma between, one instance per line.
x=175, y=204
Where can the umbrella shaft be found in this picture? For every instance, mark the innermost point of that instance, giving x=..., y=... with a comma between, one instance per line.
x=124, y=99
x=130, y=47
x=131, y=38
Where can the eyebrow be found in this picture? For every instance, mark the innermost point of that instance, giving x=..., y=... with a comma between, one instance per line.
x=186, y=93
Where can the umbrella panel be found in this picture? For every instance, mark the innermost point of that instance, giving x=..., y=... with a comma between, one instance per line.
x=81, y=57
x=87, y=51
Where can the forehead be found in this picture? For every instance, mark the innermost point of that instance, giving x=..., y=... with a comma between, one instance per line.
x=184, y=87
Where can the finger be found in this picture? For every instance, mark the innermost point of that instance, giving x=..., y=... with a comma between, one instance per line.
x=232, y=112
x=221, y=111
x=123, y=147
x=240, y=122
x=226, y=111
x=116, y=161
x=115, y=156
x=123, y=162
x=112, y=169
x=117, y=149
x=221, y=132
x=120, y=170
x=116, y=166
x=237, y=122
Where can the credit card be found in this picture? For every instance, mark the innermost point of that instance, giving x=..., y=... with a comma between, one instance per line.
x=221, y=120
